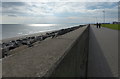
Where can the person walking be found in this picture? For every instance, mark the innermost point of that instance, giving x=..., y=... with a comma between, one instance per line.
x=97, y=25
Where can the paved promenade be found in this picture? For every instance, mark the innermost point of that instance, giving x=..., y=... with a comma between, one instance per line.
x=0, y=68
x=103, y=52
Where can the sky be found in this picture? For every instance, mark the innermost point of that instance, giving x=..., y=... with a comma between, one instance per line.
x=57, y=12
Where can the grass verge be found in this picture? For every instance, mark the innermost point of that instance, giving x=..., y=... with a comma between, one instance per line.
x=112, y=26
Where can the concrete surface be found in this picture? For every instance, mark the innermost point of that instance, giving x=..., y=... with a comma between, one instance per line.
x=103, y=52
x=37, y=61
x=74, y=63
x=0, y=68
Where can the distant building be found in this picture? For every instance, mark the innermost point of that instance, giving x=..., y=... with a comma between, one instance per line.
x=116, y=22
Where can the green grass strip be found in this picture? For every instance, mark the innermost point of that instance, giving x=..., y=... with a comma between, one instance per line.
x=112, y=26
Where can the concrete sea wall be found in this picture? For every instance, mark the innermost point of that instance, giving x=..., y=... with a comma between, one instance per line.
x=64, y=56
x=74, y=63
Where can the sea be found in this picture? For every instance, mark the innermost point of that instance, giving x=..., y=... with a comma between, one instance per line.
x=16, y=30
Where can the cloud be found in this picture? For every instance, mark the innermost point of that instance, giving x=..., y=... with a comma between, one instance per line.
x=12, y=4
x=56, y=12
x=60, y=0
x=73, y=17
x=12, y=15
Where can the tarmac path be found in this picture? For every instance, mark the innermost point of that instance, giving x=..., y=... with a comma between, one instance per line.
x=0, y=68
x=103, y=52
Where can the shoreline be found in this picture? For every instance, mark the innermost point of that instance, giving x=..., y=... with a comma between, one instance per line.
x=29, y=35
x=18, y=37
x=11, y=46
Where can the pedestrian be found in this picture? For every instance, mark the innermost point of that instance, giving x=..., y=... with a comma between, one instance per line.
x=89, y=25
x=97, y=25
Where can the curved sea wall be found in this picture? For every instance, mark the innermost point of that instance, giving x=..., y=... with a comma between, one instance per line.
x=63, y=56
x=74, y=62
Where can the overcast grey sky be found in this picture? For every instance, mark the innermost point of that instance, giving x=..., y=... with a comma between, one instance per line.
x=57, y=12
